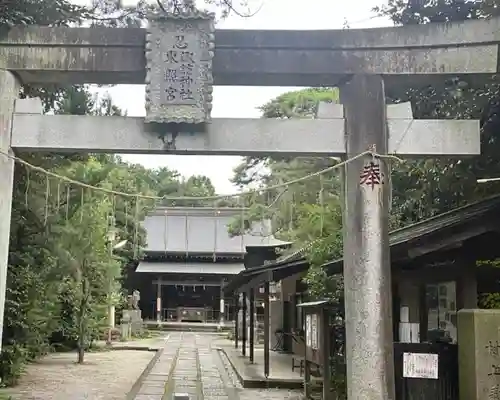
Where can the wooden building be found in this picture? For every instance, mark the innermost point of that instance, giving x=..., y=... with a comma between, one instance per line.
x=436, y=271
x=188, y=258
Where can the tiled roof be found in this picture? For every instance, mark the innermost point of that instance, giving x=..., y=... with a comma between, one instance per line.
x=405, y=236
x=198, y=268
x=202, y=230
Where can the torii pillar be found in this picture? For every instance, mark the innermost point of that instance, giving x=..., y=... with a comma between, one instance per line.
x=9, y=92
x=367, y=186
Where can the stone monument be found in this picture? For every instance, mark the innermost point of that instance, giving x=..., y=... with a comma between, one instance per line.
x=132, y=316
x=136, y=297
x=479, y=354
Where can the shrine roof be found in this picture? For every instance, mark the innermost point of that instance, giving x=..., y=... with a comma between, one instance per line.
x=459, y=216
x=202, y=230
x=196, y=268
x=439, y=232
x=311, y=305
x=424, y=237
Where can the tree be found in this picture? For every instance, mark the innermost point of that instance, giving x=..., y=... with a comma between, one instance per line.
x=422, y=12
x=307, y=213
x=42, y=12
x=175, y=186
x=303, y=208
x=43, y=257
x=85, y=250
x=46, y=269
x=425, y=188
x=254, y=171
x=32, y=308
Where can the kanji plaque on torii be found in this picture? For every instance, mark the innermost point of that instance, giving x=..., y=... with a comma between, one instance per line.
x=371, y=175
x=179, y=52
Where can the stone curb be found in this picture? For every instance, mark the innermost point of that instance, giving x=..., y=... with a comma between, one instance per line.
x=137, y=348
x=240, y=378
x=263, y=383
x=138, y=383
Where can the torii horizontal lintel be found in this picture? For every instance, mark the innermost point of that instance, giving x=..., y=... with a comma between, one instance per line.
x=258, y=57
x=323, y=136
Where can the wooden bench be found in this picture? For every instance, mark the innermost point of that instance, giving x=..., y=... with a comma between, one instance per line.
x=298, y=362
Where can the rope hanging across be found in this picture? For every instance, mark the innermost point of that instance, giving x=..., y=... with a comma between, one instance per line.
x=275, y=203
x=198, y=198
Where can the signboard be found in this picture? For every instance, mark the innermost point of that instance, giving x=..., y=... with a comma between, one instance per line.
x=179, y=52
x=314, y=332
x=420, y=365
x=308, y=330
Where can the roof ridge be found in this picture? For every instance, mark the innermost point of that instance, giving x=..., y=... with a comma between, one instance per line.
x=449, y=212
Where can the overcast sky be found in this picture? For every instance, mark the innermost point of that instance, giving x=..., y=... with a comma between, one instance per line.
x=242, y=102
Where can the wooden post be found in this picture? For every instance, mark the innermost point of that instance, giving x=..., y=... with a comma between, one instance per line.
x=236, y=318
x=325, y=350
x=367, y=271
x=252, y=324
x=9, y=91
x=266, y=329
x=307, y=368
x=158, y=301
x=244, y=325
x=221, y=305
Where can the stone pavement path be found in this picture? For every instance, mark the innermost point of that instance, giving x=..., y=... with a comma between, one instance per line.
x=190, y=365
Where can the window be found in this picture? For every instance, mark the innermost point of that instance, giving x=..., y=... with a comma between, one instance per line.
x=441, y=307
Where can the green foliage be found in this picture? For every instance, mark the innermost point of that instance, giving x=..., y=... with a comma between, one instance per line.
x=60, y=268
x=489, y=300
x=421, y=188
x=422, y=12
x=427, y=187
x=43, y=12
x=298, y=104
x=308, y=211
x=85, y=253
x=59, y=262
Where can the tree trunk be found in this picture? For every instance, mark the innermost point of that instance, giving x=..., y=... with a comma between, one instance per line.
x=81, y=352
x=81, y=340
x=82, y=328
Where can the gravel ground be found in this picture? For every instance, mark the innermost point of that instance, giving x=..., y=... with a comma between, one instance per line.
x=104, y=376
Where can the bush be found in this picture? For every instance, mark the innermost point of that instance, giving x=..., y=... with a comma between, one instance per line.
x=12, y=362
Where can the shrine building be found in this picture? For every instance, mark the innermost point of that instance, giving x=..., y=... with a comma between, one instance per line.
x=189, y=257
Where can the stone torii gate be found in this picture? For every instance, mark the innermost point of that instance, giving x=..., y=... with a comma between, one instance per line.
x=180, y=57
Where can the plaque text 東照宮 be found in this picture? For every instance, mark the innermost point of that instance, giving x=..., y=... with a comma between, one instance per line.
x=179, y=52
x=179, y=68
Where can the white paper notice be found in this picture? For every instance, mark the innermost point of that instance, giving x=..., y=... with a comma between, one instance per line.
x=308, y=331
x=314, y=332
x=420, y=365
